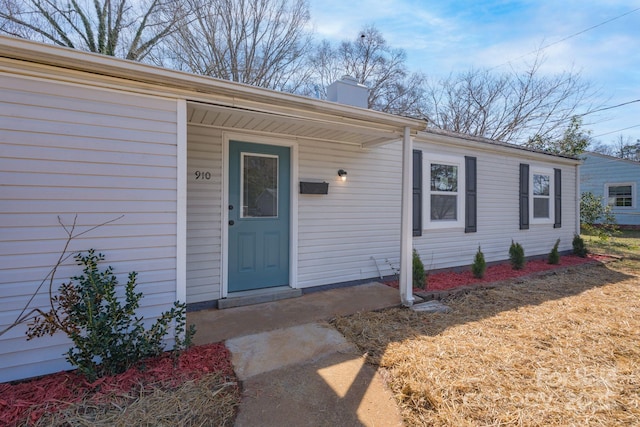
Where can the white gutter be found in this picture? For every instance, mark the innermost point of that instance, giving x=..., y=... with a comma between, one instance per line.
x=186, y=84
x=406, y=230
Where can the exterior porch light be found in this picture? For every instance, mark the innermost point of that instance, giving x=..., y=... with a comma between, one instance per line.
x=342, y=174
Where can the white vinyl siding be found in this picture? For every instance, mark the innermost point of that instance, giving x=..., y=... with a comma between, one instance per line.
x=59, y=157
x=343, y=233
x=497, y=213
x=204, y=214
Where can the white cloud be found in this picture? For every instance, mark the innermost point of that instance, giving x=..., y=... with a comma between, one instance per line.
x=441, y=37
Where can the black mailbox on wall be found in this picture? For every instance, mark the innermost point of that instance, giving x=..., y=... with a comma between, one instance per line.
x=314, y=187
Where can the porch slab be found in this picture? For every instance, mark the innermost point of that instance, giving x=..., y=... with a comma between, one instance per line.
x=214, y=325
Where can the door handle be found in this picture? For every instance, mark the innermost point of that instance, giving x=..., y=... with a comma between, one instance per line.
x=231, y=222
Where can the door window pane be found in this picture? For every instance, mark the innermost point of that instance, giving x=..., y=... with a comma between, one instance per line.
x=259, y=186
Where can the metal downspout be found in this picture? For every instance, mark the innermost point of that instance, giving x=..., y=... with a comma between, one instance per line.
x=406, y=229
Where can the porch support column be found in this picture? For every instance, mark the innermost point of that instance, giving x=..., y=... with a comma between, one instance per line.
x=406, y=228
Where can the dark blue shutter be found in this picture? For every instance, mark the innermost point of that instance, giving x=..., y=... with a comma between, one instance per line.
x=524, y=196
x=557, y=195
x=471, y=196
x=417, y=193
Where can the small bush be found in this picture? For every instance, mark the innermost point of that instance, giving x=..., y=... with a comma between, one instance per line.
x=554, y=255
x=419, y=277
x=579, y=247
x=108, y=337
x=597, y=217
x=516, y=256
x=479, y=265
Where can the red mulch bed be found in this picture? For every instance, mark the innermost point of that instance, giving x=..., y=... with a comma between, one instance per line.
x=446, y=280
x=53, y=392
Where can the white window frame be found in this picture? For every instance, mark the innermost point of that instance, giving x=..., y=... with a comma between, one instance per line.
x=458, y=161
x=535, y=170
x=620, y=184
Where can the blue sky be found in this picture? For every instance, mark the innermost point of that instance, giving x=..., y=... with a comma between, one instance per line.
x=443, y=37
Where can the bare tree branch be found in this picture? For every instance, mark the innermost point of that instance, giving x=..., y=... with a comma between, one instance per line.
x=513, y=106
x=50, y=277
x=258, y=42
x=128, y=28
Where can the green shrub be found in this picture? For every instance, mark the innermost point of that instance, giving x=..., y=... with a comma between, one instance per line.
x=554, y=255
x=579, y=247
x=479, y=265
x=108, y=337
x=516, y=256
x=419, y=277
x=597, y=217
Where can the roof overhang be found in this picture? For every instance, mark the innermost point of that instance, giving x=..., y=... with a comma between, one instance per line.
x=211, y=102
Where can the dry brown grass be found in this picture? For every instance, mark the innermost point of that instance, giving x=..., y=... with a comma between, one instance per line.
x=556, y=350
x=210, y=401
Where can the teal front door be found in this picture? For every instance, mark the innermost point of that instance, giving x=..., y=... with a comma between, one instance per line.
x=259, y=198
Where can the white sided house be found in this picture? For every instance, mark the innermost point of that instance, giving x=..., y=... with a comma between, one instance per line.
x=215, y=191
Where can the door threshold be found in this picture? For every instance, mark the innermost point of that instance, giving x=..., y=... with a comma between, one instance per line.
x=258, y=296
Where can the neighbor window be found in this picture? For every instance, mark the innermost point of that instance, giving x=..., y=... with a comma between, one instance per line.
x=620, y=195
x=446, y=187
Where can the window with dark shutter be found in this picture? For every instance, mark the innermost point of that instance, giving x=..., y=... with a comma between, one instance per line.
x=417, y=192
x=557, y=194
x=471, y=196
x=524, y=196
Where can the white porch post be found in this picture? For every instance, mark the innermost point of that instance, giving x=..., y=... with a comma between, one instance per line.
x=406, y=228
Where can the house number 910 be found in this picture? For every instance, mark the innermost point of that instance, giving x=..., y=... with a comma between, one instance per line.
x=203, y=175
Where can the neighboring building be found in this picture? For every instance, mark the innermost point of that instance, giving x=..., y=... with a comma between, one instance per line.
x=616, y=181
x=205, y=175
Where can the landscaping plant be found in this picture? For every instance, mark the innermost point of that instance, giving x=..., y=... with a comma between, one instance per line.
x=479, y=265
x=516, y=256
x=419, y=276
x=108, y=337
x=579, y=248
x=554, y=255
x=597, y=217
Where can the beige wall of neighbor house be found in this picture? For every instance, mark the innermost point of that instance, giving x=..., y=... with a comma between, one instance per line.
x=65, y=151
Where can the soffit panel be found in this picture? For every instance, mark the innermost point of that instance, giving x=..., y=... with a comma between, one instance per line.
x=334, y=129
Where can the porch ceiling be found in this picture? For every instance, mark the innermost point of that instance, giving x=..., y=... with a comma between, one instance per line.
x=311, y=125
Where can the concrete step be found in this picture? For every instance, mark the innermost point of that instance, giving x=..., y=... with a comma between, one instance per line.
x=239, y=299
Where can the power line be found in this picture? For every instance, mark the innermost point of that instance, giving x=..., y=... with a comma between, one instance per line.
x=569, y=37
x=590, y=28
x=611, y=107
x=614, y=131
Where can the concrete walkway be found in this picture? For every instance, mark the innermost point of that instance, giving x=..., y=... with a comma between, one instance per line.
x=297, y=370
